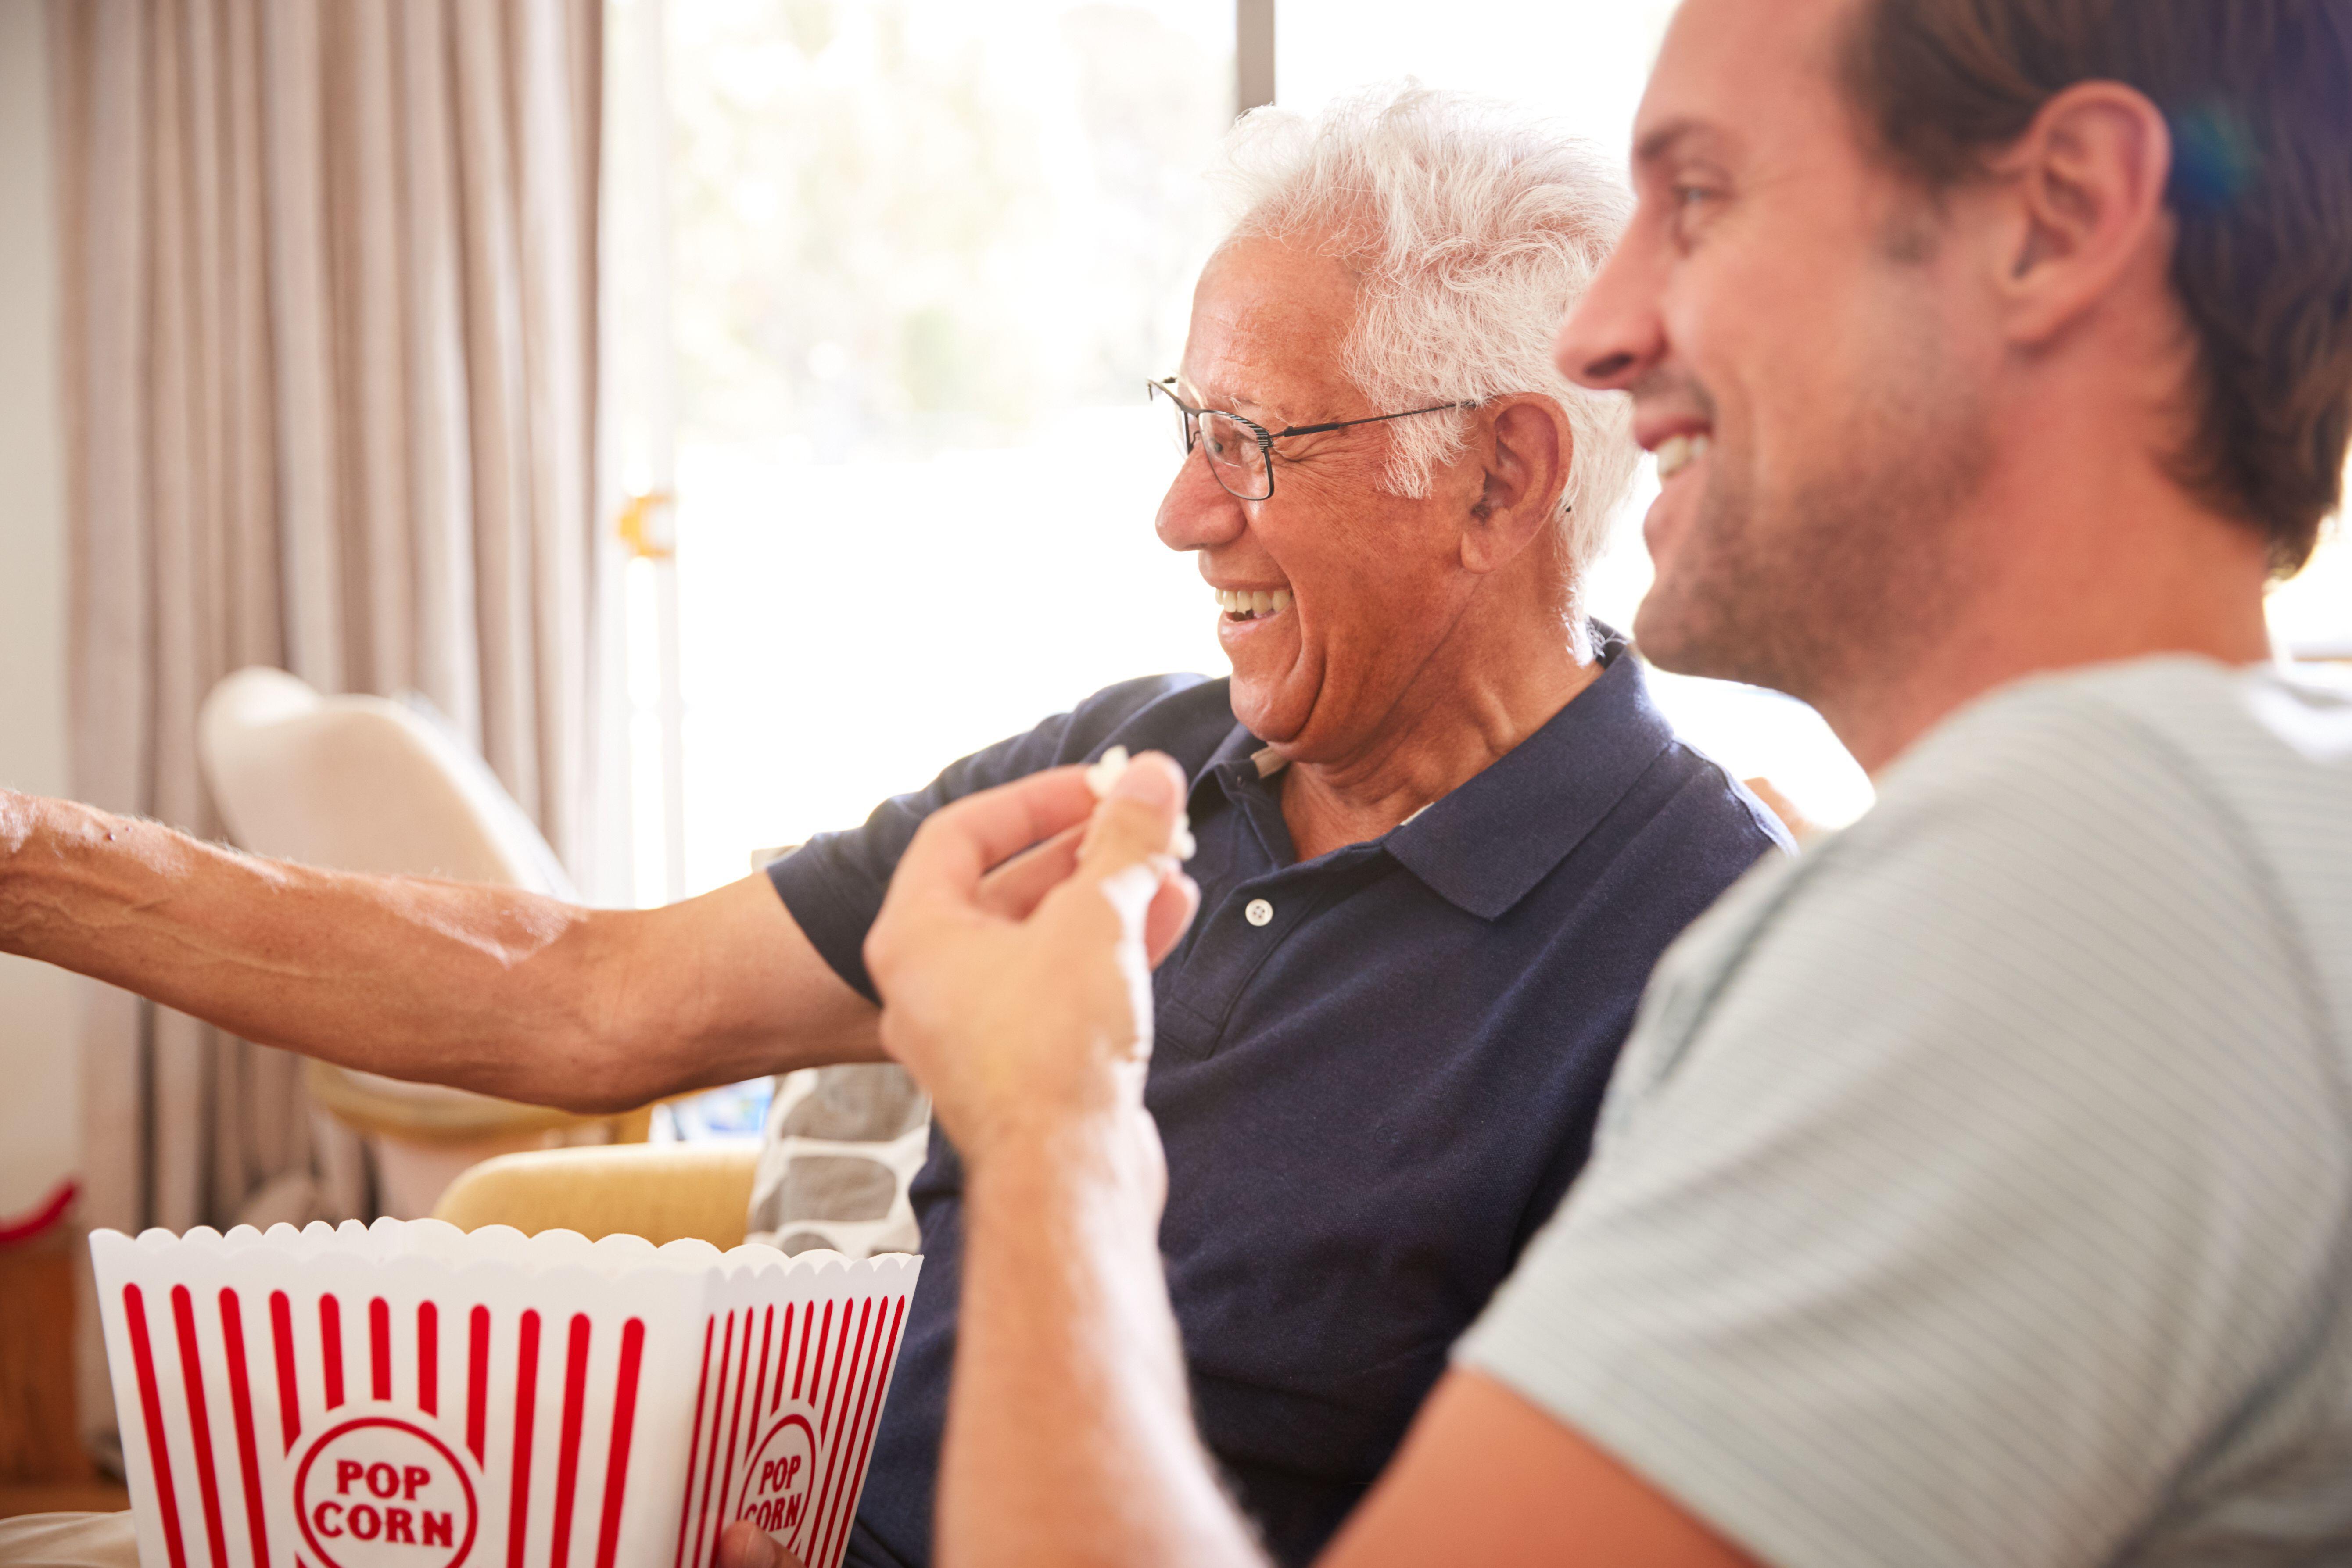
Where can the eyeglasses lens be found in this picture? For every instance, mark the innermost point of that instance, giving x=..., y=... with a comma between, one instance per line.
x=1235, y=455
x=1235, y=458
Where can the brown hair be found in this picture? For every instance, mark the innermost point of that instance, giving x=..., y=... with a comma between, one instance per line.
x=2258, y=94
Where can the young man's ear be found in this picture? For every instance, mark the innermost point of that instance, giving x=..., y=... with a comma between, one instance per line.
x=2085, y=184
x=1526, y=446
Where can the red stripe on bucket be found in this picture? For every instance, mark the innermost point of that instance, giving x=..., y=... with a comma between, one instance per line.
x=151, y=1406
x=281, y=1336
x=833, y=1383
x=526, y=1406
x=477, y=1379
x=735, y=1423
x=820, y=1505
x=379, y=1349
x=782, y=1356
x=429, y=1358
x=759, y=1384
x=567, y=1457
x=331, y=1347
x=694, y=1441
x=200, y=1423
x=710, y=1466
x=240, y=1400
x=836, y=1480
x=624, y=1417
x=864, y=1444
x=804, y=1347
x=822, y=1508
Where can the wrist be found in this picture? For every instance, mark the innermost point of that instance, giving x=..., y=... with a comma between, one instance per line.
x=1110, y=1161
x=19, y=814
x=20, y=828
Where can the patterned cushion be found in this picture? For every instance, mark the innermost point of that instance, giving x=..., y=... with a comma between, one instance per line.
x=841, y=1144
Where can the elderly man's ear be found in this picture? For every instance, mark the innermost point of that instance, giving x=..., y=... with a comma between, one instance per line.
x=1524, y=445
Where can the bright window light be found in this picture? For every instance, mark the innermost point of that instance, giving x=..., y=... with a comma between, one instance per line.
x=926, y=254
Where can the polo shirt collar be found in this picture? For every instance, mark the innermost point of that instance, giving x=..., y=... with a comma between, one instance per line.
x=1488, y=843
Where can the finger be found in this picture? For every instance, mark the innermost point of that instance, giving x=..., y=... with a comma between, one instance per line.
x=1011, y=890
x=744, y=1545
x=1173, y=908
x=1126, y=854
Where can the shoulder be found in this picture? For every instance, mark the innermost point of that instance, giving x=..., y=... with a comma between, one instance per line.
x=2158, y=771
x=2059, y=886
x=1695, y=792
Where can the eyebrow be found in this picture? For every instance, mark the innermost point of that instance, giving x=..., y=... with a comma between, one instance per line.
x=1232, y=401
x=1654, y=146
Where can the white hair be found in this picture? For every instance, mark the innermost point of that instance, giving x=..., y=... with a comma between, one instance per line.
x=1474, y=230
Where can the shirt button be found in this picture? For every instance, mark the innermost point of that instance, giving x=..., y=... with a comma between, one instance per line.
x=1258, y=912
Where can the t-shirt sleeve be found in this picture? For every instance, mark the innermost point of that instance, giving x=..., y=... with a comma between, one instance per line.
x=1994, y=1182
x=834, y=883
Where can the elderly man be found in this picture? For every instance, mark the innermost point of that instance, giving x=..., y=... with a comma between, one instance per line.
x=1975, y=1190
x=1441, y=835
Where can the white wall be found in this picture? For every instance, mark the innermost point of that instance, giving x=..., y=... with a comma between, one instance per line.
x=39, y=1007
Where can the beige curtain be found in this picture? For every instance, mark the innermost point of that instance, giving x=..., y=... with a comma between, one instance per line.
x=328, y=338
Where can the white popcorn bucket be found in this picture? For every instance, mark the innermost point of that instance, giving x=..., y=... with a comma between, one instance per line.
x=409, y=1395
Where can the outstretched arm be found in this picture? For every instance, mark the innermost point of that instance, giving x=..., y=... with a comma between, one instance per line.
x=484, y=988
x=1070, y=1438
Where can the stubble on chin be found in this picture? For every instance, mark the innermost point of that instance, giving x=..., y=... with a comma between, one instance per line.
x=1848, y=575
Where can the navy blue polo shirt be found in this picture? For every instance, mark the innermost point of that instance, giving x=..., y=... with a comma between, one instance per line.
x=1376, y=1071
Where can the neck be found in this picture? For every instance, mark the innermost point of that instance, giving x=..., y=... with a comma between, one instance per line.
x=2063, y=568
x=1497, y=681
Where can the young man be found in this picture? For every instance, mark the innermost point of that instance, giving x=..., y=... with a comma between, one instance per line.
x=1975, y=1190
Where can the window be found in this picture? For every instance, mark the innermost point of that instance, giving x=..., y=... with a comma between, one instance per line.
x=2311, y=616
x=925, y=253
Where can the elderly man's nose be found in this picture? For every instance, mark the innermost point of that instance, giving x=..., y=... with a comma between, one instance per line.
x=1614, y=333
x=1198, y=512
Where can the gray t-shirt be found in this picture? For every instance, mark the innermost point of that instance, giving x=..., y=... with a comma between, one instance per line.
x=1976, y=1190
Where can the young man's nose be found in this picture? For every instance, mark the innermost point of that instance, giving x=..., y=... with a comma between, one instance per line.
x=1615, y=333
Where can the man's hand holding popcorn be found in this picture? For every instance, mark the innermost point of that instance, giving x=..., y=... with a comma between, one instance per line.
x=1014, y=956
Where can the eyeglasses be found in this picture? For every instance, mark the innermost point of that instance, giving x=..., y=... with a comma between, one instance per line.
x=1241, y=450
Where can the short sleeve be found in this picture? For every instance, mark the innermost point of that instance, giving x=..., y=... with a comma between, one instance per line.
x=1971, y=1188
x=834, y=883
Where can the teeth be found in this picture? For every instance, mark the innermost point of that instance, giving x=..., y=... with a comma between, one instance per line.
x=1677, y=453
x=1250, y=604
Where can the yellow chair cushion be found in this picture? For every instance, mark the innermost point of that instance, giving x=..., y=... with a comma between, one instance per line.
x=660, y=1191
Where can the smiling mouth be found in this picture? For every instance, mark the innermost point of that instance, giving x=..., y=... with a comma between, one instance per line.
x=1677, y=453
x=1245, y=605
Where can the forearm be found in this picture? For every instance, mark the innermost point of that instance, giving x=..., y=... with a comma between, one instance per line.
x=1070, y=1437
x=446, y=981
x=484, y=988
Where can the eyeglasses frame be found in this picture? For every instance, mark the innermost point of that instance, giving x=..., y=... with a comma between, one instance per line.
x=1166, y=387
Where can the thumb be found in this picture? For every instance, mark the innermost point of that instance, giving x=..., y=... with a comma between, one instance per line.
x=746, y=1545
x=1128, y=848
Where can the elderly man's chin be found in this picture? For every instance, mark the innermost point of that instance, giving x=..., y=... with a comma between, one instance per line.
x=1274, y=690
x=1272, y=708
